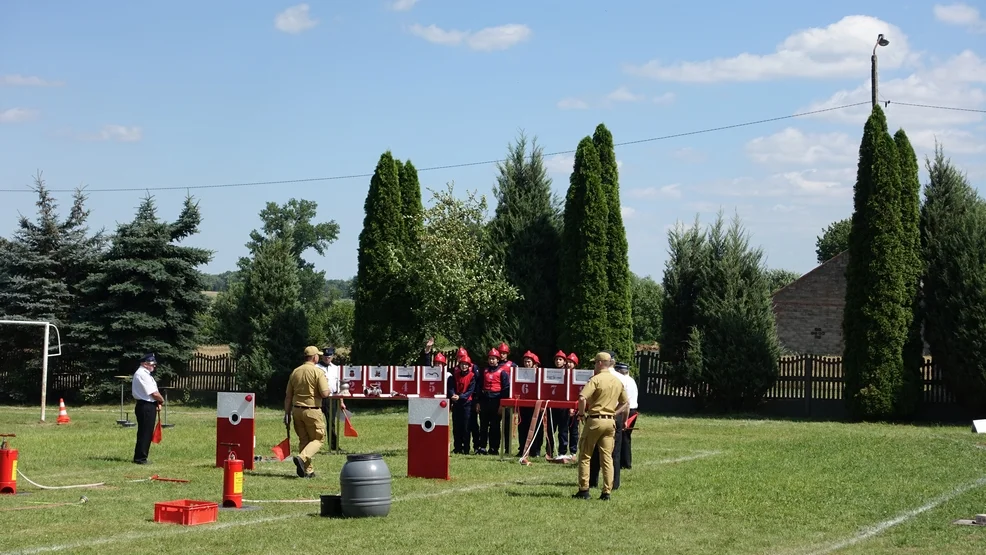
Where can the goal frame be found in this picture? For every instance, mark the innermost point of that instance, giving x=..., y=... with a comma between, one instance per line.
x=48, y=326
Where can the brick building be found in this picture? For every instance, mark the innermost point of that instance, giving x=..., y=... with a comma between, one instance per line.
x=808, y=311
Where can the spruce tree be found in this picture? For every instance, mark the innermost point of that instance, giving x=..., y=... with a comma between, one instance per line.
x=378, y=267
x=619, y=297
x=525, y=239
x=145, y=296
x=953, y=239
x=912, y=261
x=583, y=321
x=875, y=319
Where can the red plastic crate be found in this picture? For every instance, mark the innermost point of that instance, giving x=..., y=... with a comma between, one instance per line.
x=186, y=511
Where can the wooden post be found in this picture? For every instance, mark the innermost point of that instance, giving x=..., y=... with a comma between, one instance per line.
x=808, y=377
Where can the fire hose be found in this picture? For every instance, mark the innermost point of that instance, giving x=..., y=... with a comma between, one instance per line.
x=35, y=484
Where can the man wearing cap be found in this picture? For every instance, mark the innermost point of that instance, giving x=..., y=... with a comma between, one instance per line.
x=631, y=386
x=332, y=376
x=620, y=418
x=307, y=385
x=144, y=389
x=599, y=401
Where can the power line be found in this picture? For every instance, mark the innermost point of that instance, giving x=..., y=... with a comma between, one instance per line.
x=488, y=162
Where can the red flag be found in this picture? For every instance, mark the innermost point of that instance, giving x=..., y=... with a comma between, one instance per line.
x=631, y=421
x=156, y=438
x=349, y=431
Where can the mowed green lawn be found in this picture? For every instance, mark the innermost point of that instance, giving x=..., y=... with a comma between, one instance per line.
x=699, y=485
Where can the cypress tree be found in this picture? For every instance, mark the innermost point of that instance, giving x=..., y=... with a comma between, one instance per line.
x=411, y=206
x=619, y=298
x=875, y=318
x=378, y=265
x=910, y=216
x=583, y=322
x=524, y=238
x=146, y=296
x=408, y=332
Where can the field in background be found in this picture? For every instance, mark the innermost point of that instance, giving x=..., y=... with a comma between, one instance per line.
x=699, y=485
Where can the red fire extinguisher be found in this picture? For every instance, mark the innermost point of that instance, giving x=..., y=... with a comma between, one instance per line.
x=8, y=467
x=232, y=479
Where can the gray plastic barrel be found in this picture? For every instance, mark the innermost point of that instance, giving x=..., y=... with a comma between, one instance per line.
x=365, y=484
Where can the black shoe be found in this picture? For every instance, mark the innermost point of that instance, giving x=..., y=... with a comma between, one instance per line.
x=145, y=461
x=582, y=495
x=310, y=475
x=604, y=497
x=299, y=466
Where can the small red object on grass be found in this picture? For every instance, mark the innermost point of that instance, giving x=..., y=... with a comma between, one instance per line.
x=187, y=512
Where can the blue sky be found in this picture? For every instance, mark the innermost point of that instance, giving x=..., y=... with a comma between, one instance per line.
x=139, y=95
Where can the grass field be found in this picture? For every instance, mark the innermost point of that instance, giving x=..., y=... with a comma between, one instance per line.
x=699, y=485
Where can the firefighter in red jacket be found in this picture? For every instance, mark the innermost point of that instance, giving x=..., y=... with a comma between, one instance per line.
x=461, y=392
x=495, y=385
x=529, y=360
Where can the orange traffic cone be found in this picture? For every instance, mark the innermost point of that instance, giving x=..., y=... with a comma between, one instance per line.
x=62, y=413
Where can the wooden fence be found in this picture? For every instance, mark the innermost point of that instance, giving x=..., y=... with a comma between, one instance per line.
x=808, y=386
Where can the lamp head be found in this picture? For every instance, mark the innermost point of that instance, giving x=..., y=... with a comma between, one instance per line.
x=882, y=41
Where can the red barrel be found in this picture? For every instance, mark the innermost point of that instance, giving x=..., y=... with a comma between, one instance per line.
x=233, y=483
x=8, y=470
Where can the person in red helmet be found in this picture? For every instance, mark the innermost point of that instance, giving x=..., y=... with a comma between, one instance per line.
x=495, y=386
x=559, y=417
x=529, y=360
x=571, y=423
x=473, y=418
x=462, y=388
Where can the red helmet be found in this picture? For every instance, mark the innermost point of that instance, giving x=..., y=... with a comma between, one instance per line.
x=561, y=354
x=461, y=353
x=494, y=353
x=531, y=356
x=504, y=348
x=465, y=360
x=440, y=358
x=572, y=357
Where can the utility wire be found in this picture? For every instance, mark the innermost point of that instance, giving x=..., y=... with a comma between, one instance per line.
x=488, y=162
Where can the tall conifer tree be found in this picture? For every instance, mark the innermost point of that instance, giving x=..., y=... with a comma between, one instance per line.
x=912, y=261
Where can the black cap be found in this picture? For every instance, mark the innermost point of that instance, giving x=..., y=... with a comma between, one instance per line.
x=622, y=366
x=328, y=351
x=149, y=357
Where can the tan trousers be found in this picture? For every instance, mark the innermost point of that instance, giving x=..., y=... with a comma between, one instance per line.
x=310, y=427
x=599, y=432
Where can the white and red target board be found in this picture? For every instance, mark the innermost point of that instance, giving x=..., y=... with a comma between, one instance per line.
x=379, y=377
x=578, y=377
x=353, y=375
x=235, y=424
x=428, y=438
x=433, y=382
x=553, y=383
x=406, y=380
x=524, y=383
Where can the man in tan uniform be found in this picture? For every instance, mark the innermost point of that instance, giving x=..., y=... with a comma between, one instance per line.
x=307, y=386
x=600, y=399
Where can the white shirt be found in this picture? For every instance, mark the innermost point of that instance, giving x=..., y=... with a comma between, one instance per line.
x=143, y=385
x=332, y=375
x=631, y=387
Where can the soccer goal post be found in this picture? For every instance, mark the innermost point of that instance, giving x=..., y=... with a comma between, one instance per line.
x=48, y=326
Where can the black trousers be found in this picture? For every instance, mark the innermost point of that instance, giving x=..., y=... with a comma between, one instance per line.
x=523, y=430
x=474, y=424
x=461, y=426
x=626, y=456
x=146, y=414
x=331, y=425
x=489, y=423
x=617, y=463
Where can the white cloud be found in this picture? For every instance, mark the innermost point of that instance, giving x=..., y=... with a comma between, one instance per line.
x=794, y=147
x=666, y=98
x=669, y=191
x=626, y=211
x=623, y=94
x=689, y=154
x=17, y=80
x=818, y=185
x=833, y=51
x=955, y=141
x=294, y=20
x=961, y=15
x=560, y=164
x=950, y=84
x=18, y=115
x=489, y=39
x=572, y=104
x=402, y=5
x=118, y=133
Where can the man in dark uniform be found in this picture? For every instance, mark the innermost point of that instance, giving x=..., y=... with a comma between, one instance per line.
x=149, y=401
x=600, y=400
x=331, y=416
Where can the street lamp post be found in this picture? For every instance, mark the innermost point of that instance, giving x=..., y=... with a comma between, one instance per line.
x=880, y=41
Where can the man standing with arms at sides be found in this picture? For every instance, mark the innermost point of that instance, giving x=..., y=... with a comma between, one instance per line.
x=144, y=389
x=306, y=387
x=332, y=376
x=631, y=386
x=620, y=418
x=599, y=401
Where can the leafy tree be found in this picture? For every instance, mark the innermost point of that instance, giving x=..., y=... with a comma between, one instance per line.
x=218, y=282
x=953, y=239
x=583, y=322
x=777, y=279
x=619, y=297
x=144, y=297
x=912, y=262
x=647, y=297
x=294, y=220
x=463, y=292
x=340, y=288
x=875, y=319
x=833, y=240
x=275, y=326
x=40, y=272
x=379, y=269
x=525, y=238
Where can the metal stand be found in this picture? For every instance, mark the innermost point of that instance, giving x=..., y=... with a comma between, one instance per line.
x=165, y=423
x=125, y=422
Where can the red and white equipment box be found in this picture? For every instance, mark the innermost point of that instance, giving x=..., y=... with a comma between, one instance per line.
x=428, y=437
x=379, y=377
x=577, y=378
x=554, y=384
x=433, y=382
x=406, y=380
x=524, y=383
x=235, y=424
